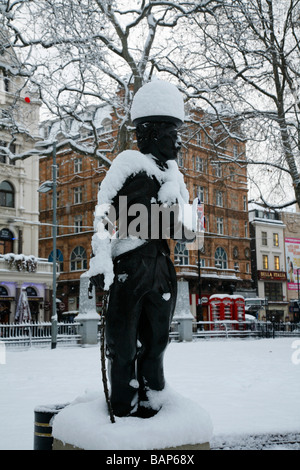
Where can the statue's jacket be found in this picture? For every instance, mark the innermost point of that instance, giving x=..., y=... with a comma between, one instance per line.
x=141, y=204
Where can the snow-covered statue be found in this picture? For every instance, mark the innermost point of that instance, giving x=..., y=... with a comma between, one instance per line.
x=142, y=202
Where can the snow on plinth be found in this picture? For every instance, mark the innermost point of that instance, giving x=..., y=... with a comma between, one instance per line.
x=85, y=424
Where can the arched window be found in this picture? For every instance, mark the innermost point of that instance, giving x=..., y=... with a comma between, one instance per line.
x=78, y=259
x=31, y=291
x=181, y=254
x=221, y=258
x=3, y=291
x=7, y=194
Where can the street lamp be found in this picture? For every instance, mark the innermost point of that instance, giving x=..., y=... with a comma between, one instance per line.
x=44, y=188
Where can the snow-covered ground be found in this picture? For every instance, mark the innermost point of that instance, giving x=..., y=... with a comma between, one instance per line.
x=249, y=387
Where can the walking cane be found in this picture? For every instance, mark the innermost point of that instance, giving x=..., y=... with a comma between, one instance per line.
x=103, y=361
x=102, y=351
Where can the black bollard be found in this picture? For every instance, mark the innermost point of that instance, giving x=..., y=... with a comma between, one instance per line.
x=43, y=416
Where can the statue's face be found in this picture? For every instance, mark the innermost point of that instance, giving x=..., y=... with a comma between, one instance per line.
x=168, y=141
x=160, y=139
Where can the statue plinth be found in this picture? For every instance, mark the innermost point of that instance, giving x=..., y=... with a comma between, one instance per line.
x=180, y=424
x=59, y=445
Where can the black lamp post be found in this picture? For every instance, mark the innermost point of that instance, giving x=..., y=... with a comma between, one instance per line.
x=44, y=188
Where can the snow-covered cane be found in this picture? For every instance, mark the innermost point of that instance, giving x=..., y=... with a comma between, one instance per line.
x=103, y=356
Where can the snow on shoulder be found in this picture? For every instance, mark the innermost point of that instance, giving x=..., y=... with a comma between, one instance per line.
x=85, y=424
x=126, y=164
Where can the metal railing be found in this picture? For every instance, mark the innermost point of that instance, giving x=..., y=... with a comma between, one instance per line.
x=243, y=329
x=225, y=328
x=27, y=334
x=238, y=329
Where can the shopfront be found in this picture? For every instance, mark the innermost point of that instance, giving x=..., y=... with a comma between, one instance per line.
x=38, y=298
x=5, y=305
x=272, y=287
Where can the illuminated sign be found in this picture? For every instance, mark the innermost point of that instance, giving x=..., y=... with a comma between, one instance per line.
x=272, y=275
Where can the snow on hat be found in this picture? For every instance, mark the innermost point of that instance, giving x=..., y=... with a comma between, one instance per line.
x=155, y=100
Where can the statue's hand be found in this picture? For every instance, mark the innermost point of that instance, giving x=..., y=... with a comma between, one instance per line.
x=96, y=281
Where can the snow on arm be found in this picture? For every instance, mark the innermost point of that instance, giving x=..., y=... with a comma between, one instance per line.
x=174, y=191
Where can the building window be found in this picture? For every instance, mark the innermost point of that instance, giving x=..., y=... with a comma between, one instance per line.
x=180, y=159
x=78, y=195
x=275, y=239
x=273, y=291
x=4, y=158
x=78, y=259
x=68, y=124
x=276, y=263
x=59, y=259
x=78, y=223
x=265, y=262
x=199, y=192
x=218, y=169
x=31, y=291
x=199, y=164
x=198, y=139
x=107, y=125
x=6, y=241
x=219, y=198
x=235, y=151
x=2, y=152
x=245, y=203
x=77, y=165
x=206, y=223
x=247, y=268
x=246, y=229
x=7, y=194
x=220, y=226
x=3, y=291
x=264, y=238
x=221, y=258
x=181, y=254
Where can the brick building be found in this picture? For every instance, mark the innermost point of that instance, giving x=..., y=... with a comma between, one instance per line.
x=208, y=161
x=214, y=170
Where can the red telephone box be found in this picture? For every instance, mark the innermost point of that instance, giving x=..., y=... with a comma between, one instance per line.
x=226, y=308
x=238, y=309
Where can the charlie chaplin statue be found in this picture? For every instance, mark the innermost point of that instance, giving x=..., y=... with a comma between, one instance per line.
x=134, y=262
